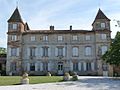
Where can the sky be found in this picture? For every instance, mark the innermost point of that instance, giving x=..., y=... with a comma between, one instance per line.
x=40, y=14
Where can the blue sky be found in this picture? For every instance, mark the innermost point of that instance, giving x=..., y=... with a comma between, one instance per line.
x=40, y=14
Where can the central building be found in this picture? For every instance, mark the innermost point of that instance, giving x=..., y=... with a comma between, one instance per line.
x=57, y=51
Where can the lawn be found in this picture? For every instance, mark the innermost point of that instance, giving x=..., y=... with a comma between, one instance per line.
x=14, y=80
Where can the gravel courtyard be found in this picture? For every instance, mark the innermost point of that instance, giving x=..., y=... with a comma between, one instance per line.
x=84, y=83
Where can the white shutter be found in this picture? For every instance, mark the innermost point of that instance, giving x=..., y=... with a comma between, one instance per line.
x=84, y=64
x=49, y=52
x=71, y=66
x=17, y=51
x=36, y=66
x=9, y=51
x=93, y=66
x=56, y=51
x=79, y=66
x=49, y=66
x=28, y=51
x=41, y=66
x=28, y=66
x=64, y=51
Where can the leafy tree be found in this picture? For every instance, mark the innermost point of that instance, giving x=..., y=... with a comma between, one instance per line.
x=2, y=52
x=112, y=56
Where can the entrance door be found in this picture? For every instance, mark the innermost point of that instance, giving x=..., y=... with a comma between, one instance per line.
x=60, y=68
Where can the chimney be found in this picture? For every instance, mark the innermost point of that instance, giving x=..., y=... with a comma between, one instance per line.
x=51, y=27
x=70, y=27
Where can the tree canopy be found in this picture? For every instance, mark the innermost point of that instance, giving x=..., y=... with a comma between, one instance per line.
x=112, y=56
x=2, y=50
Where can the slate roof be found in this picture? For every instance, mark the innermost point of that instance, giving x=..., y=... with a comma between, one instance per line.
x=27, y=26
x=16, y=17
x=101, y=15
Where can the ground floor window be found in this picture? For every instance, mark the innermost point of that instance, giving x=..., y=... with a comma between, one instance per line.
x=75, y=66
x=32, y=66
x=88, y=66
x=45, y=66
x=13, y=66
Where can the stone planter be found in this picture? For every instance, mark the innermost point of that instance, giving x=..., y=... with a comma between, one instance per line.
x=66, y=77
x=75, y=77
x=25, y=79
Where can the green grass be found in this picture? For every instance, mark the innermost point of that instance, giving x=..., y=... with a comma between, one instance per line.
x=14, y=80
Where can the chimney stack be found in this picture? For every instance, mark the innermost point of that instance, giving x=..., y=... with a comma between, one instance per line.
x=70, y=27
x=51, y=27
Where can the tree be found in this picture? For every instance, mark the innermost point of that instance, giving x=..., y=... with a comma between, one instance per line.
x=112, y=56
x=2, y=52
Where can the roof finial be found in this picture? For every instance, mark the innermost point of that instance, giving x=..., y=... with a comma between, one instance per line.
x=16, y=3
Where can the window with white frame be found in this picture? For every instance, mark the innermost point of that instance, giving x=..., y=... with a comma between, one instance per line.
x=32, y=38
x=45, y=38
x=75, y=66
x=75, y=51
x=102, y=25
x=88, y=51
x=103, y=36
x=32, y=51
x=87, y=37
x=74, y=37
x=13, y=37
x=60, y=38
x=104, y=49
x=14, y=51
x=60, y=51
x=14, y=26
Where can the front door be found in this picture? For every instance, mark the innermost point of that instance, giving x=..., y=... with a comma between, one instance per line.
x=60, y=68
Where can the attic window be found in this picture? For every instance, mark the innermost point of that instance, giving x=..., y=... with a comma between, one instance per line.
x=14, y=26
x=102, y=25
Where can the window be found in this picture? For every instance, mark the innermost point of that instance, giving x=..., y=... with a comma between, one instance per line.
x=75, y=51
x=88, y=51
x=75, y=66
x=87, y=37
x=104, y=49
x=14, y=26
x=45, y=66
x=32, y=51
x=32, y=38
x=103, y=36
x=98, y=25
x=74, y=37
x=45, y=51
x=13, y=37
x=88, y=66
x=60, y=51
x=14, y=51
x=13, y=66
x=102, y=25
x=45, y=38
x=32, y=66
x=60, y=38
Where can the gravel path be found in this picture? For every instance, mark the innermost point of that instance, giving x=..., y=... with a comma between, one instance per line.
x=84, y=83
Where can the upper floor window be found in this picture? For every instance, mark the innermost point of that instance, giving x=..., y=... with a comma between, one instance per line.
x=32, y=51
x=87, y=37
x=13, y=26
x=45, y=51
x=45, y=38
x=74, y=37
x=60, y=51
x=103, y=36
x=102, y=25
x=13, y=37
x=104, y=49
x=75, y=51
x=88, y=51
x=32, y=38
x=15, y=51
x=60, y=38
